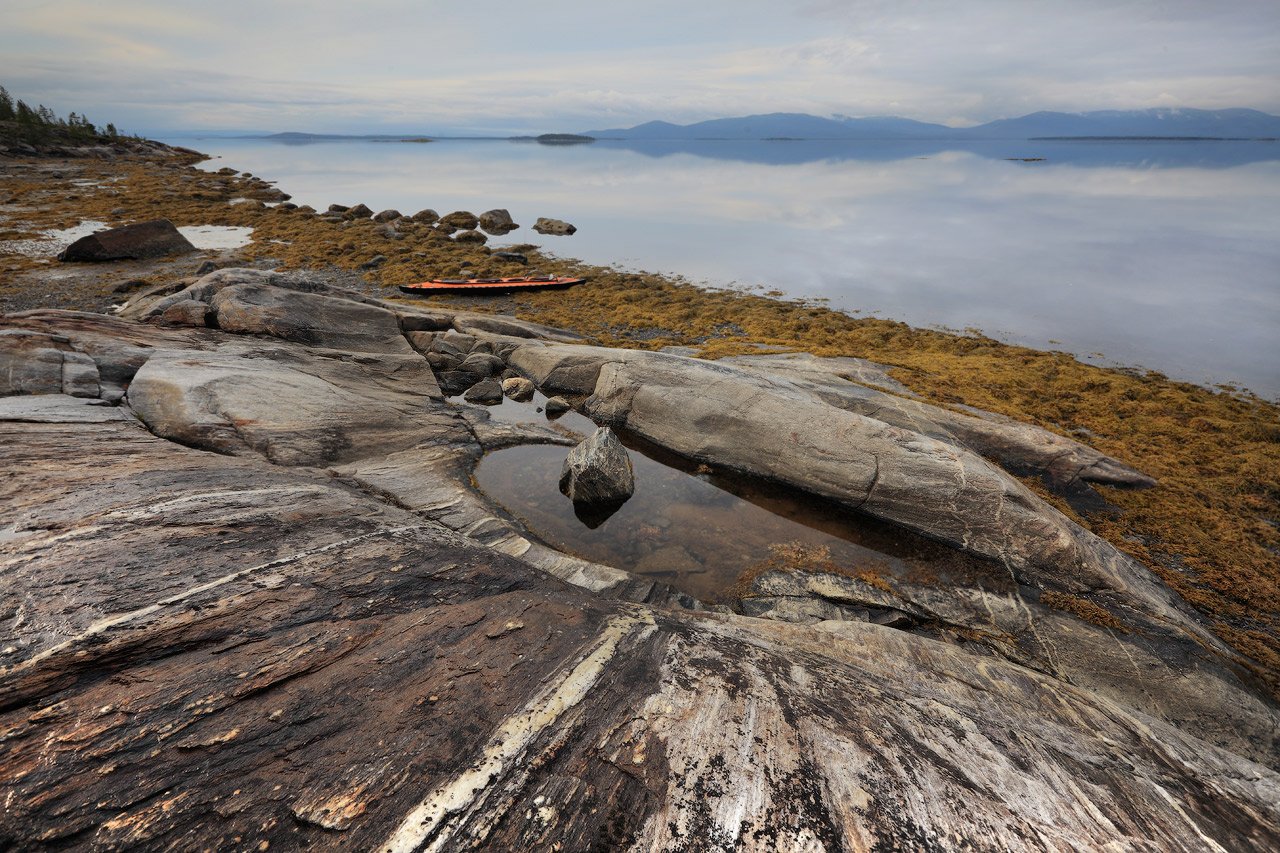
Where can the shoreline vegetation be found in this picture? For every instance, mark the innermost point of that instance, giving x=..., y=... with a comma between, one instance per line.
x=1210, y=528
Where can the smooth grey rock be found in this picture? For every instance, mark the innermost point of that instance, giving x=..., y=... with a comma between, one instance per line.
x=518, y=388
x=557, y=227
x=482, y=364
x=308, y=318
x=598, y=471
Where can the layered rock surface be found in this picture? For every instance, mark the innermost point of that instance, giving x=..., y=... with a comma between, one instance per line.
x=320, y=634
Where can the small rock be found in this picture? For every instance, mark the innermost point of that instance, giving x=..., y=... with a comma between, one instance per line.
x=511, y=257
x=386, y=215
x=488, y=393
x=338, y=208
x=497, y=221
x=553, y=226
x=206, y=268
x=427, y=215
x=288, y=205
x=471, y=237
x=482, y=364
x=444, y=228
x=518, y=388
x=557, y=406
x=374, y=262
x=461, y=219
x=131, y=285
x=359, y=211
x=598, y=471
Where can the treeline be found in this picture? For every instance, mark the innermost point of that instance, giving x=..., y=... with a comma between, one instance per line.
x=38, y=124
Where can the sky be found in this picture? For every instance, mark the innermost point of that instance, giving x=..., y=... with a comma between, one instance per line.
x=422, y=66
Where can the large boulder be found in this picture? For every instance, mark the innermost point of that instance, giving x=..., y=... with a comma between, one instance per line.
x=598, y=471
x=157, y=238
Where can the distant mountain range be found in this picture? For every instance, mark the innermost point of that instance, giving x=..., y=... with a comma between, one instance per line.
x=1153, y=123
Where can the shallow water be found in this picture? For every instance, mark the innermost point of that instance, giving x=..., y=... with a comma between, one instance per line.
x=695, y=528
x=1153, y=254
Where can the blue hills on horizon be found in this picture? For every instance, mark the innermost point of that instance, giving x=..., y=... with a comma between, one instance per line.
x=1149, y=123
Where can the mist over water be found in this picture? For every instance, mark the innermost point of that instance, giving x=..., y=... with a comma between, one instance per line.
x=1152, y=254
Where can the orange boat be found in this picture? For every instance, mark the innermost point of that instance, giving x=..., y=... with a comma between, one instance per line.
x=465, y=285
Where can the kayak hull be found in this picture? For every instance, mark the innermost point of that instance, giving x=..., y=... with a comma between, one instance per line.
x=489, y=285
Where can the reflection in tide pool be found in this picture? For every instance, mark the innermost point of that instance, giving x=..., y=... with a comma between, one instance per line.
x=693, y=528
x=1153, y=254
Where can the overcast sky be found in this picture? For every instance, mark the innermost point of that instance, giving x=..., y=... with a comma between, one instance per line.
x=565, y=65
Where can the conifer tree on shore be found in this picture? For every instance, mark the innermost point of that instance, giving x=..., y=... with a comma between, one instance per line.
x=20, y=122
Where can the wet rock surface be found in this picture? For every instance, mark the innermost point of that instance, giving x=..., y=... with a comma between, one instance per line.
x=249, y=596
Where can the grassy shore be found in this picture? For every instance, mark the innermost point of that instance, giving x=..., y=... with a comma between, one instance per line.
x=1209, y=529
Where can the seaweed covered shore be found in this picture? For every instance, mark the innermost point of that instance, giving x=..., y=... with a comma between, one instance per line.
x=1210, y=528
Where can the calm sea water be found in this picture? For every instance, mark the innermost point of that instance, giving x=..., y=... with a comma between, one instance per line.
x=1161, y=255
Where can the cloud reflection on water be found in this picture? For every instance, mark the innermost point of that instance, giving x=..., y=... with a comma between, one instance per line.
x=1158, y=255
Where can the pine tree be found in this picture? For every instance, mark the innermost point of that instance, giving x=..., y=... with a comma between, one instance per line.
x=6, y=105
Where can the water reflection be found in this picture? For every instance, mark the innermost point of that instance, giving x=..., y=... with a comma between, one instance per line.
x=701, y=529
x=1154, y=254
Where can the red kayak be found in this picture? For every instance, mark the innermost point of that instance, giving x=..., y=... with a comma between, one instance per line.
x=463, y=285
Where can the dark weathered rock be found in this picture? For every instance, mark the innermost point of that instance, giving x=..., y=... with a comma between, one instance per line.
x=488, y=392
x=470, y=237
x=426, y=215
x=482, y=364
x=338, y=208
x=206, y=268
x=511, y=257
x=518, y=388
x=386, y=215
x=374, y=262
x=556, y=406
x=460, y=219
x=598, y=471
x=359, y=211
x=155, y=239
x=553, y=226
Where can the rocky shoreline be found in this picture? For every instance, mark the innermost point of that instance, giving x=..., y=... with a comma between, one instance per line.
x=254, y=596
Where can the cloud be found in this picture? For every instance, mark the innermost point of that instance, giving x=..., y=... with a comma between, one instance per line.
x=572, y=64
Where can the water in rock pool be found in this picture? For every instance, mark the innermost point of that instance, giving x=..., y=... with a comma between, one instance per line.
x=698, y=529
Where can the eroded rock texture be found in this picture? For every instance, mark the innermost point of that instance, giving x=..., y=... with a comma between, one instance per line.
x=250, y=601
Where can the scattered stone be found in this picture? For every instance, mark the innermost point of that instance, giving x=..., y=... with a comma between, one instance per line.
x=374, y=262
x=206, y=268
x=471, y=237
x=154, y=239
x=556, y=227
x=359, y=211
x=497, y=222
x=557, y=406
x=426, y=215
x=461, y=219
x=598, y=471
x=386, y=215
x=511, y=257
x=482, y=364
x=287, y=205
x=487, y=393
x=306, y=208
x=444, y=228
x=338, y=208
x=518, y=388
x=131, y=285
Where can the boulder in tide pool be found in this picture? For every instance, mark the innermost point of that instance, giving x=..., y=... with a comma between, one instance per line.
x=598, y=471
x=154, y=239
